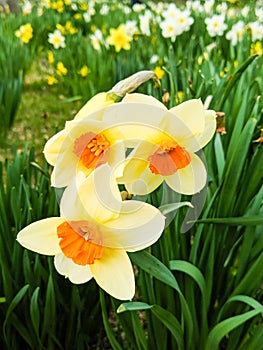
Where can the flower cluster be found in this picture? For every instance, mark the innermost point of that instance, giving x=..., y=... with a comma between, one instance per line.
x=137, y=143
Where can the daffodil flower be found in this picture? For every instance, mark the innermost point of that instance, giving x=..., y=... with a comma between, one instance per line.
x=83, y=146
x=169, y=153
x=95, y=231
x=101, y=137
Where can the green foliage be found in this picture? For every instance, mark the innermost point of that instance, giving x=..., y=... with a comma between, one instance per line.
x=200, y=285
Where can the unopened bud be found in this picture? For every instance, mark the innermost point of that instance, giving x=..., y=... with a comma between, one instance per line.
x=131, y=83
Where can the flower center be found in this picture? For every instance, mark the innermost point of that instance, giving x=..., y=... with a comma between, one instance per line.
x=76, y=241
x=168, y=158
x=91, y=149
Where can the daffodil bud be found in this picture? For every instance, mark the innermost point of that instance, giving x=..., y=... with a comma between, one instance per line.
x=131, y=83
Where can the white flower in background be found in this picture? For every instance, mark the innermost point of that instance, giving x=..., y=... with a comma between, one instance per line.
x=74, y=7
x=145, y=25
x=87, y=17
x=232, y=12
x=245, y=11
x=104, y=9
x=138, y=7
x=56, y=39
x=158, y=8
x=27, y=8
x=169, y=29
x=183, y=21
x=236, y=33
x=126, y=9
x=256, y=30
x=221, y=8
x=208, y=6
x=154, y=59
x=216, y=25
x=97, y=40
x=259, y=13
x=196, y=6
x=171, y=11
x=131, y=27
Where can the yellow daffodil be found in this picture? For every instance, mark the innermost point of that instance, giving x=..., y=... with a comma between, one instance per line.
x=50, y=57
x=25, y=33
x=119, y=38
x=61, y=69
x=84, y=71
x=95, y=231
x=51, y=80
x=159, y=72
x=168, y=154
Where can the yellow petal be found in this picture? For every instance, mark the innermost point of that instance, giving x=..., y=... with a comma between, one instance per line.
x=141, y=98
x=209, y=130
x=114, y=273
x=138, y=121
x=95, y=104
x=97, y=197
x=138, y=226
x=75, y=273
x=192, y=114
x=53, y=147
x=145, y=184
x=41, y=236
x=65, y=168
x=190, y=179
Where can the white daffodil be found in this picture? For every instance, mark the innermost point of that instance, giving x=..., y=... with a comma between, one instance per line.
x=95, y=231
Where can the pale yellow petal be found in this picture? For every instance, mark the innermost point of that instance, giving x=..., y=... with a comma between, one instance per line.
x=97, y=197
x=94, y=106
x=114, y=273
x=145, y=184
x=192, y=114
x=137, y=121
x=53, y=147
x=77, y=274
x=209, y=130
x=138, y=226
x=41, y=236
x=141, y=98
x=190, y=179
x=65, y=168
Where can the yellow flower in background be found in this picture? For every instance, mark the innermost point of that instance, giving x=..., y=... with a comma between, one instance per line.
x=119, y=38
x=256, y=48
x=69, y=28
x=95, y=231
x=83, y=6
x=159, y=72
x=50, y=57
x=77, y=16
x=61, y=69
x=25, y=33
x=58, y=6
x=51, y=80
x=84, y=71
x=180, y=96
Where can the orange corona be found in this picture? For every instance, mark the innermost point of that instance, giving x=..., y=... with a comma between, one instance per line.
x=91, y=149
x=76, y=241
x=168, y=158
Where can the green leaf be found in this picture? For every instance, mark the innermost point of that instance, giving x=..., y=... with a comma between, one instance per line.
x=34, y=311
x=234, y=221
x=168, y=208
x=192, y=271
x=110, y=335
x=133, y=306
x=16, y=300
x=166, y=317
x=223, y=328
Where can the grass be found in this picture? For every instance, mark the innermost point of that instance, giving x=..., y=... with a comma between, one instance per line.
x=41, y=113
